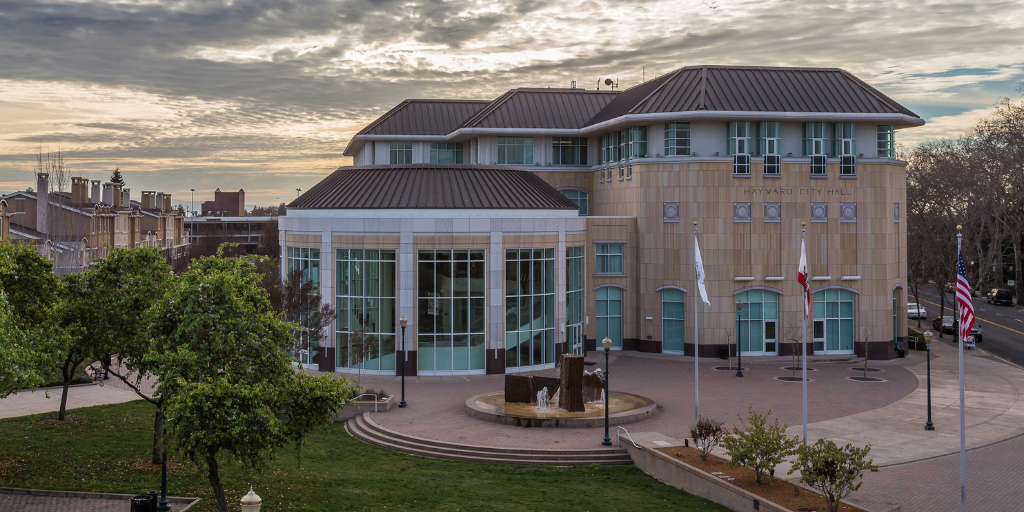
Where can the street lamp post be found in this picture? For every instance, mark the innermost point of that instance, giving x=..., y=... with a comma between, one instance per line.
x=403, y=322
x=162, y=505
x=607, y=344
x=739, y=354
x=928, y=345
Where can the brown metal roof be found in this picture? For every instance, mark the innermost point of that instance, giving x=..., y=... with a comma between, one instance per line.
x=433, y=186
x=752, y=89
x=424, y=117
x=542, y=108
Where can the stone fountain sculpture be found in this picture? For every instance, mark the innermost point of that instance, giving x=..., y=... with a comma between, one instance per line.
x=574, y=387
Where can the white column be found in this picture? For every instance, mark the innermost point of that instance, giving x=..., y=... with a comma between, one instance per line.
x=327, y=279
x=560, y=285
x=496, y=293
x=407, y=285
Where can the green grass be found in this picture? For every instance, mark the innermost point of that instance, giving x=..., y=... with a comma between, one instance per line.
x=336, y=472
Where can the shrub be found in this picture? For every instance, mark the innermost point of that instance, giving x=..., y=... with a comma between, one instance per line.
x=367, y=394
x=759, y=446
x=833, y=471
x=706, y=435
x=382, y=395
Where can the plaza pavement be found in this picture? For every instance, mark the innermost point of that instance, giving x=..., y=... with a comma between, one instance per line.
x=46, y=400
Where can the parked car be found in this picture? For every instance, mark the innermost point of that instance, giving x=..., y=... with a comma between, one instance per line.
x=948, y=325
x=915, y=310
x=997, y=296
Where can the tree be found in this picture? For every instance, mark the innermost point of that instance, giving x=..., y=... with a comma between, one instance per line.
x=30, y=284
x=124, y=286
x=794, y=333
x=706, y=435
x=222, y=360
x=23, y=363
x=759, y=446
x=115, y=177
x=269, y=243
x=302, y=305
x=833, y=471
x=76, y=316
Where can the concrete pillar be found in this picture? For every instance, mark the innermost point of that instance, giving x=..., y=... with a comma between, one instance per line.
x=407, y=295
x=495, y=353
x=43, y=202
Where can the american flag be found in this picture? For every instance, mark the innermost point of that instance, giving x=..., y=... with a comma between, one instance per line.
x=965, y=305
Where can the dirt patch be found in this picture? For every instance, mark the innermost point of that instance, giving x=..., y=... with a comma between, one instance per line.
x=148, y=465
x=65, y=421
x=782, y=492
x=5, y=463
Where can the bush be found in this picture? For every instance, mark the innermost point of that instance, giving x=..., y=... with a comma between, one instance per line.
x=759, y=446
x=79, y=377
x=833, y=471
x=382, y=395
x=706, y=435
x=367, y=394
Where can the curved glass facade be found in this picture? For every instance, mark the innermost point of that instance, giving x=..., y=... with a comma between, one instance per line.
x=450, y=310
x=529, y=307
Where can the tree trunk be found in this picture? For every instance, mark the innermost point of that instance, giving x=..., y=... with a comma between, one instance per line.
x=158, y=433
x=66, y=373
x=942, y=308
x=1017, y=272
x=218, y=489
x=570, y=386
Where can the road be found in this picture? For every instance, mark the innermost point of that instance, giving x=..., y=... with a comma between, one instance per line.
x=1002, y=326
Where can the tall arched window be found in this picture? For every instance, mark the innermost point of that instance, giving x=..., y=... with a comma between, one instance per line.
x=673, y=327
x=609, y=315
x=833, y=322
x=581, y=198
x=758, y=322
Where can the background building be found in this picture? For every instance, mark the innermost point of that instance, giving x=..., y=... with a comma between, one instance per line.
x=749, y=153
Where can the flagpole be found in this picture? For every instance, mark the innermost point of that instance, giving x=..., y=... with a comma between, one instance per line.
x=696, y=330
x=803, y=344
x=960, y=347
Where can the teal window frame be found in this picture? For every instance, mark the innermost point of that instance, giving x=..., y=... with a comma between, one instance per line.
x=673, y=320
x=366, y=304
x=515, y=151
x=447, y=153
x=400, y=153
x=886, y=141
x=739, y=138
x=677, y=139
x=834, y=313
x=569, y=151
x=609, y=258
x=608, y=315
x=529, y=307
x=451, y=311
x=758, y=306
x=816, y=139
x=844, y=139
x=769, y=141
x=580, y=197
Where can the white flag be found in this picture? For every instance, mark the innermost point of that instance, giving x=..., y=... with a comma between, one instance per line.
x=700, y=272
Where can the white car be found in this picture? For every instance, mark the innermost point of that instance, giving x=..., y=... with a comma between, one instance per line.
x=915, y=310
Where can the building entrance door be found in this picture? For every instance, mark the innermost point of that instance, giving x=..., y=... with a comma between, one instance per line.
x=770, y=337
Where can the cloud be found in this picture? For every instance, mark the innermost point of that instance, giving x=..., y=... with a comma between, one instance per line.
x=278, y=86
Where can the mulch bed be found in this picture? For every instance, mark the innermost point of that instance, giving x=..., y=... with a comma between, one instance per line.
x=66, y=420
x=781, y=492
x=147, y=465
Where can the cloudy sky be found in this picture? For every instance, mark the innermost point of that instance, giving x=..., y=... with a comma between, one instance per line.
x=265, y=94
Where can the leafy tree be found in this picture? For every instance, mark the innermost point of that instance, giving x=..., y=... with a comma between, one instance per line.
x=124, y=285
x=115, y=177
x=221, y=354
x=759, y=446
x=23, y=364
x=706, y=435
x=30, y=284
x=833, y=471
x=76, y=316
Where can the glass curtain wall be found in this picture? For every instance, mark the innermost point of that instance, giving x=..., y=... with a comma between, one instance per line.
x=450, y=307
x=307, y=261
x=574, y=299
x=673, y=326
x=833, y=321
x=529, y=307
x=758, y=324
x=365, y=302
x=609, y=315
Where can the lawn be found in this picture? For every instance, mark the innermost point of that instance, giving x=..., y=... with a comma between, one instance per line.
x=335, y=472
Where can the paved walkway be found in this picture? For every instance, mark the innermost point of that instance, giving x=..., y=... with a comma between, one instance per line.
x=48, y=400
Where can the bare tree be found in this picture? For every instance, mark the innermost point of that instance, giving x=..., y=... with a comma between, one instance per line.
x=794, y=333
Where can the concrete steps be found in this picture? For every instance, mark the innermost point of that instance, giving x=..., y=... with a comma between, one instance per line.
x=363, y=427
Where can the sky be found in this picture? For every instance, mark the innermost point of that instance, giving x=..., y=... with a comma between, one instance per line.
x=264, y=95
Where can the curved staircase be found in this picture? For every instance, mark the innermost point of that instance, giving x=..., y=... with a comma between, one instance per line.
x=362, y=427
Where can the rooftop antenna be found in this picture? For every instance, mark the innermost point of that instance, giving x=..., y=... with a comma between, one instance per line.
x=643, y=74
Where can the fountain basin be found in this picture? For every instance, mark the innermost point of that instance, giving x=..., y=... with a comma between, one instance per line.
x=624, y=408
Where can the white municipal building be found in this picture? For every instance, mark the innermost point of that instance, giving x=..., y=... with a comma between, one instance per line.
x=508, y=231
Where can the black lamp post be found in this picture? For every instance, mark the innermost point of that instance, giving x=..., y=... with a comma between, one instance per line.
x=162, y=505
x=607, y=344
x=739, y=354
x=928, y=345
x=403, y=322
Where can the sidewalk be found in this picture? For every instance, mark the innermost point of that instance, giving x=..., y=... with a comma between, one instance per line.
x=27, y=403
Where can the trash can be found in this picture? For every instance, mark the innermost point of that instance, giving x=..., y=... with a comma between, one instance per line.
x=143, y=503
x=723, y=351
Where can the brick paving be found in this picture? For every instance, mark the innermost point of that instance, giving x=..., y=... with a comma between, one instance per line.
x=436, y=404
x=32, y=503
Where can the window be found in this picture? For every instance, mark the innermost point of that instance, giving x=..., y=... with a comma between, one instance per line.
x=579, y=197
x=772, y=165
x=769, y=140
x=844, y=138
x=847, y=165
x=673, y=327
x=446, y=153
x=815, y=139
x=307, y=260
x=574, y=297
x=529, y=307
x=515, y=150
x=611, y=147
x=609, y=258
x=609, y=315
x=636, y=136
x=739, y=138
x=677, y=139
x=758, y=322
x=741, y=165
x=450, y=308
x=400, y=153
x=365, y=302
x=833, y=321
x=569, y=151
x=886, y=141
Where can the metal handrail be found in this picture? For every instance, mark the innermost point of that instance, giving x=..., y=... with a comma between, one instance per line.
x=375, y=399
x=620, y=427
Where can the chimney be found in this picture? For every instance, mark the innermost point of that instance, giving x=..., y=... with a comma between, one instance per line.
x=79, y=187
x=43, y=202
x=108, y=193
x=158, y=203
x=116, y=196
x=95, y=197
x=167, y=202
x=147, y=199
x=126, y=198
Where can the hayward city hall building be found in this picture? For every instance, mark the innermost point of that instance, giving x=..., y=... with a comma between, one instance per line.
x=510, y=231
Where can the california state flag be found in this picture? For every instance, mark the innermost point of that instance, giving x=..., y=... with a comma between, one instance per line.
x=801, y=276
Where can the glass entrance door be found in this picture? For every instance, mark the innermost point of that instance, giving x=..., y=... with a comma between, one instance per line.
x=758, y=322
x=770, y=336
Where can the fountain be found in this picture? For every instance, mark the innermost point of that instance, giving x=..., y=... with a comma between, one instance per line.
x=574, y=399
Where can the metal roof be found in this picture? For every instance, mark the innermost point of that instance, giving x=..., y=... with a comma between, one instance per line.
x=435, y=186
x=752, y=89
x=542, y=108
x=424, y=117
